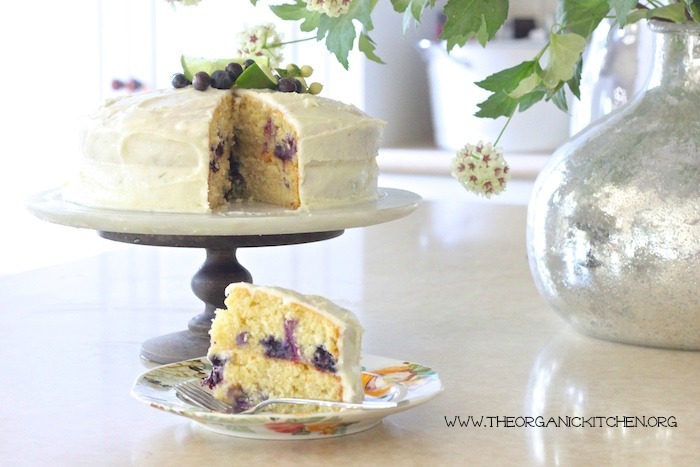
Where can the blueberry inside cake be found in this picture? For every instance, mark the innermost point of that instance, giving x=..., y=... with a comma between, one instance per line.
x=265, y=157
x=222, y=145
x=271, y=342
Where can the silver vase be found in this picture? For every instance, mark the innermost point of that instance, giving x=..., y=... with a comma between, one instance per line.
x=614, y=220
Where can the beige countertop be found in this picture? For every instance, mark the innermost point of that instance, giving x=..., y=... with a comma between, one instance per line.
x=448, y=287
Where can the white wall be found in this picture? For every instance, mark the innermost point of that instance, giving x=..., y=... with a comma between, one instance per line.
x=397, y=91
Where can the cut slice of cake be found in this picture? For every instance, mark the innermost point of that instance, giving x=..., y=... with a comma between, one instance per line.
x=271, y=342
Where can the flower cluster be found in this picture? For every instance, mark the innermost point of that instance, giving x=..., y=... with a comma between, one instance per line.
x=333, y=8
x=481, y=169
x=261, y=40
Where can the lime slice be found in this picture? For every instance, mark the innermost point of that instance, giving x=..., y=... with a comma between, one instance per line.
x=192, y=65
x=257, y=77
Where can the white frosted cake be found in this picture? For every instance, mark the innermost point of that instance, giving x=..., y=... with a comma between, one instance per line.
x=183, y=150
x=272, y=342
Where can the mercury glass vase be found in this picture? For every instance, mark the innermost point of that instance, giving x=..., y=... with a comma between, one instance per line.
x=614, y=219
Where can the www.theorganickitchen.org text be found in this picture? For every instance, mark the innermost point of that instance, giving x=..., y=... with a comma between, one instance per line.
x=503, y=421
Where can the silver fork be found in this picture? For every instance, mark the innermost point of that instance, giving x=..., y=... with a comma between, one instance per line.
x=191, y=391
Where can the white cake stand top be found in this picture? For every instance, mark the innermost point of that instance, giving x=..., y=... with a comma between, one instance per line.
x=248, y=218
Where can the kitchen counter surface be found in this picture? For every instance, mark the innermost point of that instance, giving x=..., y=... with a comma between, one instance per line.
x=447, y=286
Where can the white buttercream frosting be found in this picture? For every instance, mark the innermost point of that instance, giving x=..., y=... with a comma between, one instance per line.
x=150, y=150
x=147, y=151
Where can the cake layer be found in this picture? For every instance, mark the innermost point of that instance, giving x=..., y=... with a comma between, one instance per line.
x=252, y=377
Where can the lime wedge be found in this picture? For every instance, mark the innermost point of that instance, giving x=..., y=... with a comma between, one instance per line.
x=257, y=77
x=192, y=65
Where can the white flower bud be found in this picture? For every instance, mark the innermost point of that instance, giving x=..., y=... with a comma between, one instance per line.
x=481, y=169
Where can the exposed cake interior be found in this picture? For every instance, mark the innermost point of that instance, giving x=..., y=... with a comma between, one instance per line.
x=267, y=343
x=221, y=149
x=265, y=156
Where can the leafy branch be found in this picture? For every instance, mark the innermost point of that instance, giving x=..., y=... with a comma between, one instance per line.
x=338, y=32
x=513, y=89
x=520, y=87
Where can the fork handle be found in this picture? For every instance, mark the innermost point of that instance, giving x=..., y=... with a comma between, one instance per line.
x=344, y=405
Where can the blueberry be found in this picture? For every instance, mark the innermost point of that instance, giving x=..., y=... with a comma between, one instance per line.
x=219, y=149
x=242, y=338
x=323, y=360
x=237, y=180
x=215, y=377
x=220, y=79
x=216, y=360
x=179, y=81
x=234, y=70
x=201, y=81
x=133, y=85
x=239, y=399
x=269, y=129
x=286, y=150
x=286, y=85
x=277, y=349
x=248, y=62
x=298, y=87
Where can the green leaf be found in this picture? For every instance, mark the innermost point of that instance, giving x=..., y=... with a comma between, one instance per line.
x=622, y=9
x=291, y=11
x=530, y=99
x=472, y=18
x=564, y=52
x=498, y=104
x=414, y=14
x=340, y=36
x=581, y=16
x=575, y=82
x=512, y=87
x=509, y=79
x=418, y=6
x=526, y=86
x=559, y=99
x=367, y=46
x=674, y=12
x=361, y=10
x=298, y=11
x=412, y=10
x=400, y=6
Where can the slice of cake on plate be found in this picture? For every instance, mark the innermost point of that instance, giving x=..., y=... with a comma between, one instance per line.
x=271, y=342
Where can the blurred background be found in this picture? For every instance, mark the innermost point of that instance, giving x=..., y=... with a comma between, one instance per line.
x=60, y=60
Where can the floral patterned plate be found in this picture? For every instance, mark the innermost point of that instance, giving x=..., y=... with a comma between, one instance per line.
x=380, y=378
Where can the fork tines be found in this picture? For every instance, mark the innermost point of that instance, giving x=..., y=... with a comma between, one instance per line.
x=194, y=393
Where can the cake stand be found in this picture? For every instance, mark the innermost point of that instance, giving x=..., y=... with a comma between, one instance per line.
x=220, y=234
